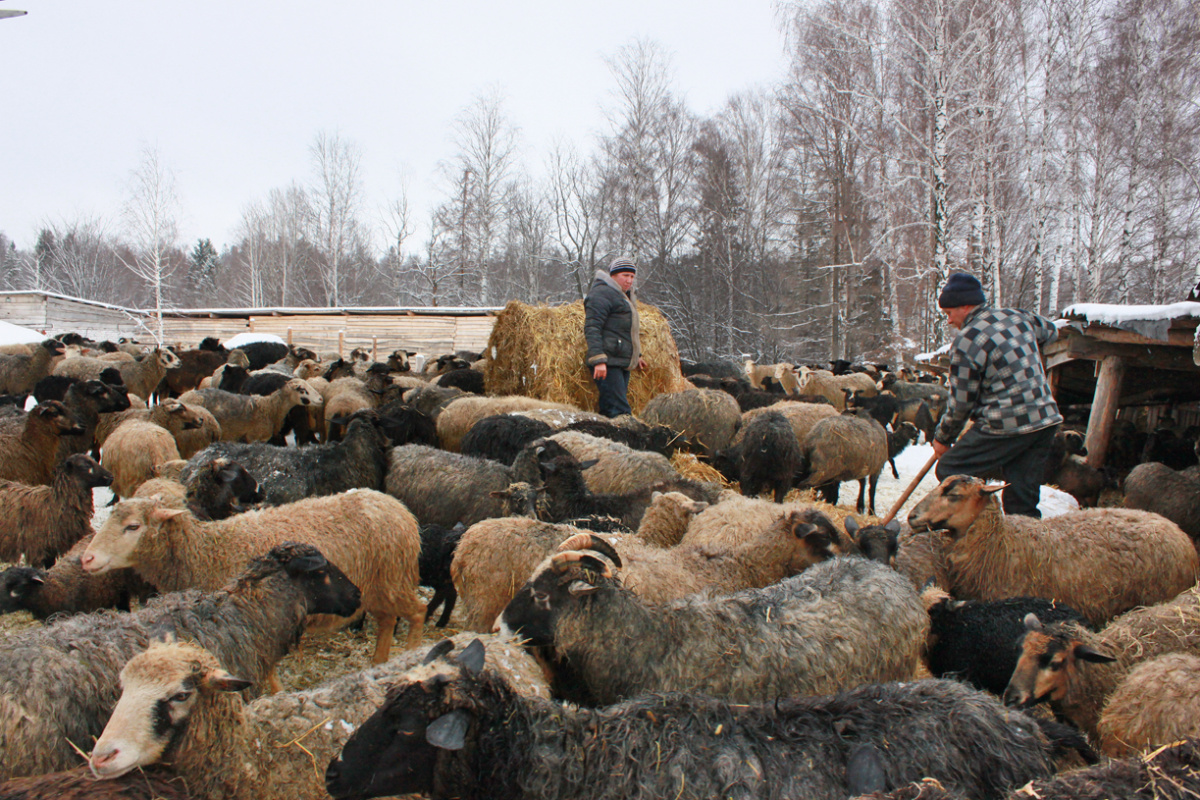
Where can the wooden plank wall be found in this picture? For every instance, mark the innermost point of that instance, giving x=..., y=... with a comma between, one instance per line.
x=55, y=315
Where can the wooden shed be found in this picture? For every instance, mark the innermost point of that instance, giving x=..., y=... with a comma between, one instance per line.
x=53, y=314
x=1116, y=358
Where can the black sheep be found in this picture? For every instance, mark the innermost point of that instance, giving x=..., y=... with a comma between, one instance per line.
x=714, y=369
x=448, y=730
x=260, y=354
x=406, y=425
x=220, y=489
x=437, y=551
x=976, y=641
x=658, y=438
x=767, y=457
x=66, y=589
x=502, y=436
x=467, y=379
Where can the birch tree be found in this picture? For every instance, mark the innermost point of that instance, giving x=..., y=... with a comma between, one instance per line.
x=149, y=215
x=336, y=199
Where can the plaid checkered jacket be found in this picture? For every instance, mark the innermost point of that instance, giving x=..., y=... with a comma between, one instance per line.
x=996, y=375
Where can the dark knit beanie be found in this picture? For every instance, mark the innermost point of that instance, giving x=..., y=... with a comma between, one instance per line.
x=961, y=290
x=621, y=264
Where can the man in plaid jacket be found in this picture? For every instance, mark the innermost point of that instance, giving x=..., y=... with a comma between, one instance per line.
x=997, y=381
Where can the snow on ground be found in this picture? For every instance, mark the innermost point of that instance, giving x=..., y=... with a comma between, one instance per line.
x=1053, y=502
x=250, y=338
x=15, y=334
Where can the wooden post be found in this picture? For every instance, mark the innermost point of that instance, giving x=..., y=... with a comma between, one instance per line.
x=341, y=343
x=289, y=339
x=1104, y=409
x=374, y=348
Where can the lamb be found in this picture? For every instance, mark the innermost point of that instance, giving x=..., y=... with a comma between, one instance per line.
x=191, y=440
x=29, y=454
x=767, y=457
x=839, y=624
x=898, y=441
x=1100, y=561
x=1176, y=495
x=975, y=641
x=343, y=397
x=134, y=451
x=842, y=448
x=448, y=731
x=667, y=518
x=272, y=748
x=85, y=402
x=1077, y=670
x=289, y=474
x=566, y=494
x=461, y=414
x=443, y=488
x=253, y=418
x=58, y=684
x=502, y=436
x=618, y=469
x=707, y=417
x=20, y=373
x=369, y=535
x=268, y=382
x=437, y=552
x=496, y=557
x=832, y=387
x=42, y=522
x=66, y=589
x=194, y=366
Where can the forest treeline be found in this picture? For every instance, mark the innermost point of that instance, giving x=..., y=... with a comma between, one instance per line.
x=1047, y=146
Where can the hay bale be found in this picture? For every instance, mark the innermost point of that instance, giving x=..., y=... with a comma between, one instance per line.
x=539, y=351
x=707, y=417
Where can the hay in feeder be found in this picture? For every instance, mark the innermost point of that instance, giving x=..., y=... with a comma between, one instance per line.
x=539, y=351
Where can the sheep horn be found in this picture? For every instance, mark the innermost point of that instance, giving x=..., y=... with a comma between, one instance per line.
x=561, y=561
x=587, y=541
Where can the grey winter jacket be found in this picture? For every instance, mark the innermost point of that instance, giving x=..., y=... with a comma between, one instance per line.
x=610, y=324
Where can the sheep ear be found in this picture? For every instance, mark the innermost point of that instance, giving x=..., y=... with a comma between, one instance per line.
x=893, y=526
x=591, y=462
x=1085, y=653
x=471, y=658
x=851, y=526
x=581, y=588
x=310, y=562
x=992, y=489
x=228, y=474
x=221, y=681
x=164, y=514
x=437, y=651
x=36, y=579
x=449, y=731
x=1032, y=623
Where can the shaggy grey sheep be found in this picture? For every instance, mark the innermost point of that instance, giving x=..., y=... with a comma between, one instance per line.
x=706, y=417
x=443, y=488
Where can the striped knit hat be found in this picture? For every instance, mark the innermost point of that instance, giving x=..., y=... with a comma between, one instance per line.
x=621, y=264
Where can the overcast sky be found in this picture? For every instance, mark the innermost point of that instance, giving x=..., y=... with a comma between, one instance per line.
x=233, y=92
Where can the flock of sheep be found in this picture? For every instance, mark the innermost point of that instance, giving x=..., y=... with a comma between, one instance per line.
x=637, y=621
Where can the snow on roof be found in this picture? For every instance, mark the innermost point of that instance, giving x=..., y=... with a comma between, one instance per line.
x=250, y=338
x=941, y=351
x=15, y=334
x=1149, y=321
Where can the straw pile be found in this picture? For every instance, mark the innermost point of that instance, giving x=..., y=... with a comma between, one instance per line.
x=539, y=351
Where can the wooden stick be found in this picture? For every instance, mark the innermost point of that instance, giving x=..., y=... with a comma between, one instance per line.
x=911, y=487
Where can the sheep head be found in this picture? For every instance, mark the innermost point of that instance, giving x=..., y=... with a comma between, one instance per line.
x=303, y=393
x=54, y=417
x=1049, y=663
x=115, y=544
x=813, y=535
x=86, y=472
x=167, y=359
x=429, y=712
x=161, y=689
x=954, y=505
x=556, y=585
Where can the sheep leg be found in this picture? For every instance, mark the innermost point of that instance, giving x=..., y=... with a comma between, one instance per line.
x=383, y=639
x=895, y=473
x=451, y=599
x=862, y=488
x=273, y=684
x=829, y=492
x=874, y=485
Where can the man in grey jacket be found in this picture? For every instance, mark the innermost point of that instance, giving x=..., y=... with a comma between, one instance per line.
x=997, y=381
x=613, y=339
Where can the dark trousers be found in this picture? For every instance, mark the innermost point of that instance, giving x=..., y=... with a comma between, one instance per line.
x=1020, y=460
x=613, y=390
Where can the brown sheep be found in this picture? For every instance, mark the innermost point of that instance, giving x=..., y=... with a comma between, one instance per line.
x=19, y=373
x=842, y=448
x=832, y=387
x=134, y=451
x=1077, y=670
x=495, y=557
x=372, y=537
x=253, y=418
x=1100, y=561
x=29, y=454
x=1174, y=494
x=708, y=417
x=801, y=416
x=1158, y=703
x=141, y=376
x=42, y=522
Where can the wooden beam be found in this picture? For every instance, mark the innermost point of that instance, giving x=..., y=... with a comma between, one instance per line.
x=1104, y=409
x=1176, y=336
x=1160, y=356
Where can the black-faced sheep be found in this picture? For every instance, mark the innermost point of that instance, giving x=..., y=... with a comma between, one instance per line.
x=370, y=536
x=20, y=373
x=836, y=625
x=1066, y=469
x=1100, y=561
x=767, y=457
x=842, y=448
x=1076, y=670
x=66, y=589
x=271, y=748
x=29, y=454
x=1158, y=488
x=898, y=441
x=288, y=474
x=502, y=436
x=447, y=731
x=67, y=673
x=618, y=469
x=42, y=522
x=219, y=489
x=707, y=417
x=976, y=641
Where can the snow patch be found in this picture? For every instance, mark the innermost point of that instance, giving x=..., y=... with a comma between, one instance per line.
x=1113, y=314
x=15, y=334
x=250, y=338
